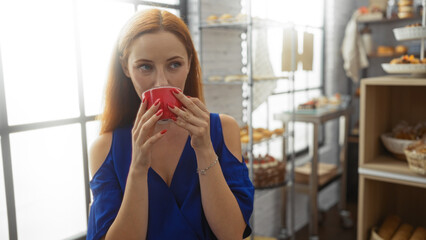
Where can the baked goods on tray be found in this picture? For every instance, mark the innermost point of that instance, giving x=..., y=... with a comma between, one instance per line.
x=259, y=133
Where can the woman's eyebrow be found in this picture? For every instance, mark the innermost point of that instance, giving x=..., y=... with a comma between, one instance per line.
x=172, y=58
x=143, y=60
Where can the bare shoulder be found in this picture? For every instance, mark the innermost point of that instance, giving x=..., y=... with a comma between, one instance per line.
x=99, y=151
x=231, y=135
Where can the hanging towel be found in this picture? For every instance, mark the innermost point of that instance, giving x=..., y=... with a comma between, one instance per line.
x=353, y=52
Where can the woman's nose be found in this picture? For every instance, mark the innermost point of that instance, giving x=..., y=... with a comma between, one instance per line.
x=160, y=78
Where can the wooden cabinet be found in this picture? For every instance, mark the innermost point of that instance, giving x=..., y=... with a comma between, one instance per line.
x=387, y=185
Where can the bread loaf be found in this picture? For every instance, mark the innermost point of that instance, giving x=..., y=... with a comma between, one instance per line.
x=419, y=234
x=403, y=232
x=389, y=226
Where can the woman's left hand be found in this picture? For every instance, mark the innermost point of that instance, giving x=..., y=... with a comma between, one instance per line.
x=195, y=118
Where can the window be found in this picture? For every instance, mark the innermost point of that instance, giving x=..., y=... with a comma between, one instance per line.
x=54, y=58
x=308, y=84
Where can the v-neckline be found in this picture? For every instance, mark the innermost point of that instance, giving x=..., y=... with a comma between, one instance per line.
x=176, y=168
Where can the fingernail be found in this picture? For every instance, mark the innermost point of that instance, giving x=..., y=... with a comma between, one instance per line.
x=176, y=91
x=159, y=112
x=180, y=90
x=171, y=106
x=174, y=118
x=188, y=96
x=143, y=100
x=157, y=102
x=163, y=132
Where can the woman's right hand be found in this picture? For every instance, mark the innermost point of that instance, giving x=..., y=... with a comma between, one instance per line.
x=142, y=135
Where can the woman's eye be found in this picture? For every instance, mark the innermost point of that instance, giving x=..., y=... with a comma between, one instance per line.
x=145, y=67
x=175, y=65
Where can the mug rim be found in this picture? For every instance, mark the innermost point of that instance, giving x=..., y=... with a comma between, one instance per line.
x=160, y=87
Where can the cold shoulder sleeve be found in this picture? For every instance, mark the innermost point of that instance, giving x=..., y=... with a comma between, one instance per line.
x=235, y=173
x=107, y=198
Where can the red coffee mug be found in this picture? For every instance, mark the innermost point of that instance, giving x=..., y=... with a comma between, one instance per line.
x=166, y=97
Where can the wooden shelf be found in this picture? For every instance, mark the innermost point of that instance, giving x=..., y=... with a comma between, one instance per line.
x=395, y=55
x=389, y=169
x=386, y=184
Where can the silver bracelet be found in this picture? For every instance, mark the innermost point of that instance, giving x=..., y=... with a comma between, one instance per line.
x=203, y=171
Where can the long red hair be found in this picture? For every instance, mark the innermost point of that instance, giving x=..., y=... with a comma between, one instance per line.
x=121, y=100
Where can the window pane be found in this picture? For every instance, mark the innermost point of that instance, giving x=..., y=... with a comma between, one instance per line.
x=301, y=12
x=39, y=61
x=171, y=10
x=49, y=182
x=4, y=227
x=98, y=36
x=92, y=131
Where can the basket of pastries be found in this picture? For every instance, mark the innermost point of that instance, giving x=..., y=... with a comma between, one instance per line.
x=393, y=228
x=405, y=64
x=402, y=135
x=410, y=32
x=267, y=171
x=416, y=156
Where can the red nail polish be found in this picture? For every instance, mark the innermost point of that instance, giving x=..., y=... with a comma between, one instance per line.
x=163, y=132
x=157, y=102
x=143, y=100
x=188, y=96
x=171, y=106
x=180, y=90
x=176, y=91
x=159, y=112
x=174, y=119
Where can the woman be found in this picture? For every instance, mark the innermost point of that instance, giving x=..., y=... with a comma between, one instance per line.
x=181, y=179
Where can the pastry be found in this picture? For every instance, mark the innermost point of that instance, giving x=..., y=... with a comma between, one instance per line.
x=308, y=105
x=257, y=136
x=278, y=131
x=401, y=49
x=405, y=60
x=226, y=17
x=405, y=15
x=406, y=9
x=215, y=78
x=385, y=50
x=212, y=19
x=245, y=139
x=388, y=227
x=403, y=232
x=405, y=3
x=232, y=78
x=414, y=25
x=419, y=234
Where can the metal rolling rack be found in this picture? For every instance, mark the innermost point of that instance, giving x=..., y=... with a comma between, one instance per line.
x=316, y=118
x=287, y=232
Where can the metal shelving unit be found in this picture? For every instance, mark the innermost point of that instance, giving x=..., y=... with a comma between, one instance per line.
x=247, y=27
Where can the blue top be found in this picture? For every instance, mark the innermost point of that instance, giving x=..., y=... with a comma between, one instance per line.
x=174, y=211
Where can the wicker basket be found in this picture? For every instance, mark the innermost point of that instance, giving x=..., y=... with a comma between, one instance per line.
x=395, y=145
x=416, y=157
